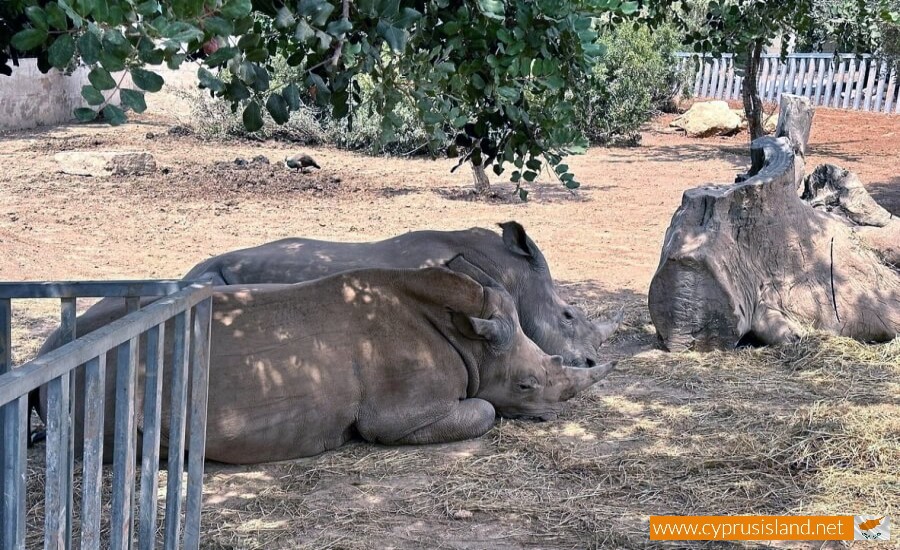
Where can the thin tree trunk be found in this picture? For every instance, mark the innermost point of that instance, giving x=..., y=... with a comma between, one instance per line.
x=480, y=178
x=753, y=106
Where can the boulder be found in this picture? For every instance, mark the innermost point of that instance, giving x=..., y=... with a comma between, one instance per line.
x=105, y=163
x=710, y=118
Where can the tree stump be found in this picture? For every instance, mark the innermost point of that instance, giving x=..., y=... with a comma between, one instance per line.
x=753, y=262
x=838, y=191
x=795, y=121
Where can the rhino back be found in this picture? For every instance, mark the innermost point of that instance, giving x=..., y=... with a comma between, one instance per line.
x=296, y=260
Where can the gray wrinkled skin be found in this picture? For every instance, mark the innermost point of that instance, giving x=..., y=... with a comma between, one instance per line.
x=512, y=259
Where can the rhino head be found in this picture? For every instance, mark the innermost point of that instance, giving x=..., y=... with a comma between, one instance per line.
x=518, y=378
x=556, y=326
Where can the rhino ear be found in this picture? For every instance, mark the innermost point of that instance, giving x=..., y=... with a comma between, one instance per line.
x=493, y=330
x=516, y=240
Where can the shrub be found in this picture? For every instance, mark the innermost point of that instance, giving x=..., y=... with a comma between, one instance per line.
x=636, y=77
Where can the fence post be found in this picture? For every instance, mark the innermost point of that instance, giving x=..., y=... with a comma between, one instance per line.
x=199, y=398
x=12, y=455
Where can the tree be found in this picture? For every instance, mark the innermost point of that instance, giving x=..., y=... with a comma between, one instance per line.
x=747, y=27
x=472, y=67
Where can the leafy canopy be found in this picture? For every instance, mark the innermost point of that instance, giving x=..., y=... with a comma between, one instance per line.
x=472, y=68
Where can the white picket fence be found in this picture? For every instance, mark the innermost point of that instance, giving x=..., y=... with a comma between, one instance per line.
x=844, y=81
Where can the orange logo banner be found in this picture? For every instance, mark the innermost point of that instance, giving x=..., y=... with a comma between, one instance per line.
x=751, y=527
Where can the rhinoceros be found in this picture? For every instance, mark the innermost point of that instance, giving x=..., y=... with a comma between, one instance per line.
x=395, y=356
x=512, y=259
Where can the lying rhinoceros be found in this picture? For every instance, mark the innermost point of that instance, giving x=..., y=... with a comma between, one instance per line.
x=396, y=356
x=511, y=258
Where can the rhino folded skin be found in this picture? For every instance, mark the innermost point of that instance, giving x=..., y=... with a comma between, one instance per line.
x=395, y=356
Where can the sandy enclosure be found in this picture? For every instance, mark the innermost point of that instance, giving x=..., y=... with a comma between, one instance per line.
x=808, y=428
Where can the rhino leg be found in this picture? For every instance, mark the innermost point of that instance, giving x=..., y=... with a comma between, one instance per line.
x=469, y=419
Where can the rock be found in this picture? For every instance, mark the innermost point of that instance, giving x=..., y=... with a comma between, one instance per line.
x=105, y=163
x=260, y=159
x=462, y=514
x=770, y=123
x=710, y=118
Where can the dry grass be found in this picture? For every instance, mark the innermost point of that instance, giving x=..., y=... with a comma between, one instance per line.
x=812, y=427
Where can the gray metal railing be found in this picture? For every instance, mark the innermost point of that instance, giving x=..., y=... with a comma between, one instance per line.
x=188, y=307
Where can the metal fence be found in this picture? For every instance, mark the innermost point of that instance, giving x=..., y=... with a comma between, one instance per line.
x=187, y=307
x=844, y=81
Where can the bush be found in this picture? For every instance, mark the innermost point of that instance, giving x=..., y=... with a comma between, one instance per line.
x=636, y=77
x=211, y=118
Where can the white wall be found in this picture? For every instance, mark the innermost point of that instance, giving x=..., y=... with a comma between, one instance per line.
x=29, y=99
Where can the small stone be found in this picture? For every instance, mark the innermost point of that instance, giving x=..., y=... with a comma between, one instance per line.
x=462, y=514
x=105, y=163
x=260, y=159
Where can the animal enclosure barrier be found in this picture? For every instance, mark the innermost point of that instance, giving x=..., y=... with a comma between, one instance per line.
x=187, y=307
x=842, y=81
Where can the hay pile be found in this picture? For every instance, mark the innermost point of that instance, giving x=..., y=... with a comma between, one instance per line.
x=808, y=428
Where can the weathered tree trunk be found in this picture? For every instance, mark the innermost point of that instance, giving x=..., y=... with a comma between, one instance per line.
x=839, y=192
x=754, y=261
x=480, y=178
x=753, y=106
x=795, y=121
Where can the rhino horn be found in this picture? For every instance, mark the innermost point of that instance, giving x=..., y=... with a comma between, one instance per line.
x=607, y=329
x=581, y=379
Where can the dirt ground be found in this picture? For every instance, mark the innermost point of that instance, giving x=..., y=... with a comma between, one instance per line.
x=813, y=428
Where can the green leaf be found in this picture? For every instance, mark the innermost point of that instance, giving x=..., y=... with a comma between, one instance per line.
x=572, y=184
x=236, y=90
x=37, y=16
x=89, y=47
x=218, y=26
x=175, y=61
x=340, y=27
x=56, y=17
x=114, y=115
x=61, y=51
x=284, y=18
x=147, y=80
x=133, y=99
x=303, y=31
x=291, y=96
x=477, y=81
x=257, y=55
x=179, y=31
x=561, y=168
x=92, y=95
x=220, y=56
x=252, y=117
x=148, y=8
x=533, y=164
x=101, y=79
x=628, y=8
x=111, y=62
x=85, y=114
x=523, y=194
x=28, y=39
x=407, y=17
x=234, y=9
x=395, y=38
x=277, y=107
x=529, y=175
x=209, y=80
x=493, y=9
